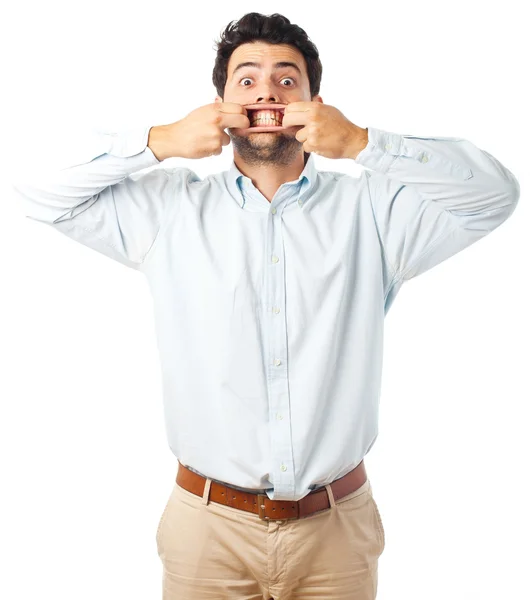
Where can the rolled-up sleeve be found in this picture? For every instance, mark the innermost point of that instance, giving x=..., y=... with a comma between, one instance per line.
x=432, y=197
x=107, y=201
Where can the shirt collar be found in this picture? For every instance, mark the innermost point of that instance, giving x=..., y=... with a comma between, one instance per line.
x=306, y=182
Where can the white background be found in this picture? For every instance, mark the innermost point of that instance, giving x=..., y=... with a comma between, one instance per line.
x=85, y=468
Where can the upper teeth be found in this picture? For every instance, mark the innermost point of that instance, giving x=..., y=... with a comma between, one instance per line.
x=266, y=114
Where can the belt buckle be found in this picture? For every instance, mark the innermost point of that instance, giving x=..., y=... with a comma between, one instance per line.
x=261, y=507
x=262, y=498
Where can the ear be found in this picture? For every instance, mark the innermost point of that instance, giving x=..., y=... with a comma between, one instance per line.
x=218, y=99
x=318, y=98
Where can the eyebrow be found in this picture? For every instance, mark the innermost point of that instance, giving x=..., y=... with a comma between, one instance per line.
x=278, y=65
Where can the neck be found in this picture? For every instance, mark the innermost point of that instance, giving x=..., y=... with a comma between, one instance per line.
x=268, y=177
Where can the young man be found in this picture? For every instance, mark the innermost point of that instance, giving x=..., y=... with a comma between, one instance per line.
x=271, y=282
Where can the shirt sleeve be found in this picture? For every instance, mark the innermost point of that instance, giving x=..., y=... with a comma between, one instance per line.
x=104, y=201
x=432, y=197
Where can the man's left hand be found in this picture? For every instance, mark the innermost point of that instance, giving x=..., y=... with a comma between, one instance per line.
x=325, y=130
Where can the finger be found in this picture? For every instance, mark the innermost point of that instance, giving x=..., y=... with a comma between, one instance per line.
x=225, y=139
x=296, y=118
x=233, y=115
x=301, y=134
x=298, y=113
x=300, y=106
x=234, y=120
x=231, y=107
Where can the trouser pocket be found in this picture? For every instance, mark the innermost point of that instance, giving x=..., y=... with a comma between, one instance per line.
x=380, y=528
x=163, y=518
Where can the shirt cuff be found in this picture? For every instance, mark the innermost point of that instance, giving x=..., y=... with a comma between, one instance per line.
x=130, y=143
x=381, y=150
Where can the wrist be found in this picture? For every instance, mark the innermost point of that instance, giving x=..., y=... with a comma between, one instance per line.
x=359, y=141
x=157, y=141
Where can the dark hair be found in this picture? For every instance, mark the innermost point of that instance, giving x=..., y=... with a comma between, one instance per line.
x=272, y=29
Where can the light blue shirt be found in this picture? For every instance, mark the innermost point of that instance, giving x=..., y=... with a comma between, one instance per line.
x=269, y=315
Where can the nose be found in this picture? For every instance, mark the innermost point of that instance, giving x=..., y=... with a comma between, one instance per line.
x=267, y=99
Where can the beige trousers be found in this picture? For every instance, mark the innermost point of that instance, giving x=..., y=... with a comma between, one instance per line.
x=214, y=552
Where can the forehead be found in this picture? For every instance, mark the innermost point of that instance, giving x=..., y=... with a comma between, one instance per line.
x=266, y=55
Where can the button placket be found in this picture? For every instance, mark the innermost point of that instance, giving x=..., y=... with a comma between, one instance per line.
x=279, y=405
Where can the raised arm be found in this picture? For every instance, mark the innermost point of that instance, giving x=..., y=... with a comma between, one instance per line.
x=433, y=196
x=104, y=202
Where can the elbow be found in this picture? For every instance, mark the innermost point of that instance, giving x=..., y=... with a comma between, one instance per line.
x=22, y=197
x=513, y=194
x=509, y=195
x=511, y=199
x=30, y=205
x=512, y=186
x=516, y=191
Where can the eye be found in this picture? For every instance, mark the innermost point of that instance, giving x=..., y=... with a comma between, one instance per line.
x=291, y=78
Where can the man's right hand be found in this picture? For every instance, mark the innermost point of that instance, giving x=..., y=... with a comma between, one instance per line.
x=200, y=134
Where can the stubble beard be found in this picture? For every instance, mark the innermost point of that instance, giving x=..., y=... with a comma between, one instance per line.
x=279, y=149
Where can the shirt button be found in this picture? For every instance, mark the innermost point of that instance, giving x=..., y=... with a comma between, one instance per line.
x=300, y=202
x=275, y=259
x=424, y=159
x=273, y=211
x=276, y=309
x=279, y=417
x=283, y=468
x=388, y=147
x=277, y=362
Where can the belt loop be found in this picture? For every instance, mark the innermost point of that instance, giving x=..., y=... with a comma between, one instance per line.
x=330, y=496
x=206, y=493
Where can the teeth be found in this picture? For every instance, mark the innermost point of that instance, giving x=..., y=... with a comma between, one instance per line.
x=266, y=117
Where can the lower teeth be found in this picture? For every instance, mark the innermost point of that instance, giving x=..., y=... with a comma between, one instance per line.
x=265, y=123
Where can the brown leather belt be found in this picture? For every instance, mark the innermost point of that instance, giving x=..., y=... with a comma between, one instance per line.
x=267, y=509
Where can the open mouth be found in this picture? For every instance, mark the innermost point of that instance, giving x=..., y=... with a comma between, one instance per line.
x=265, y=119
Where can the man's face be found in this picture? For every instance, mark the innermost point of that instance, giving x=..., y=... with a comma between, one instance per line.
x=266, y=84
